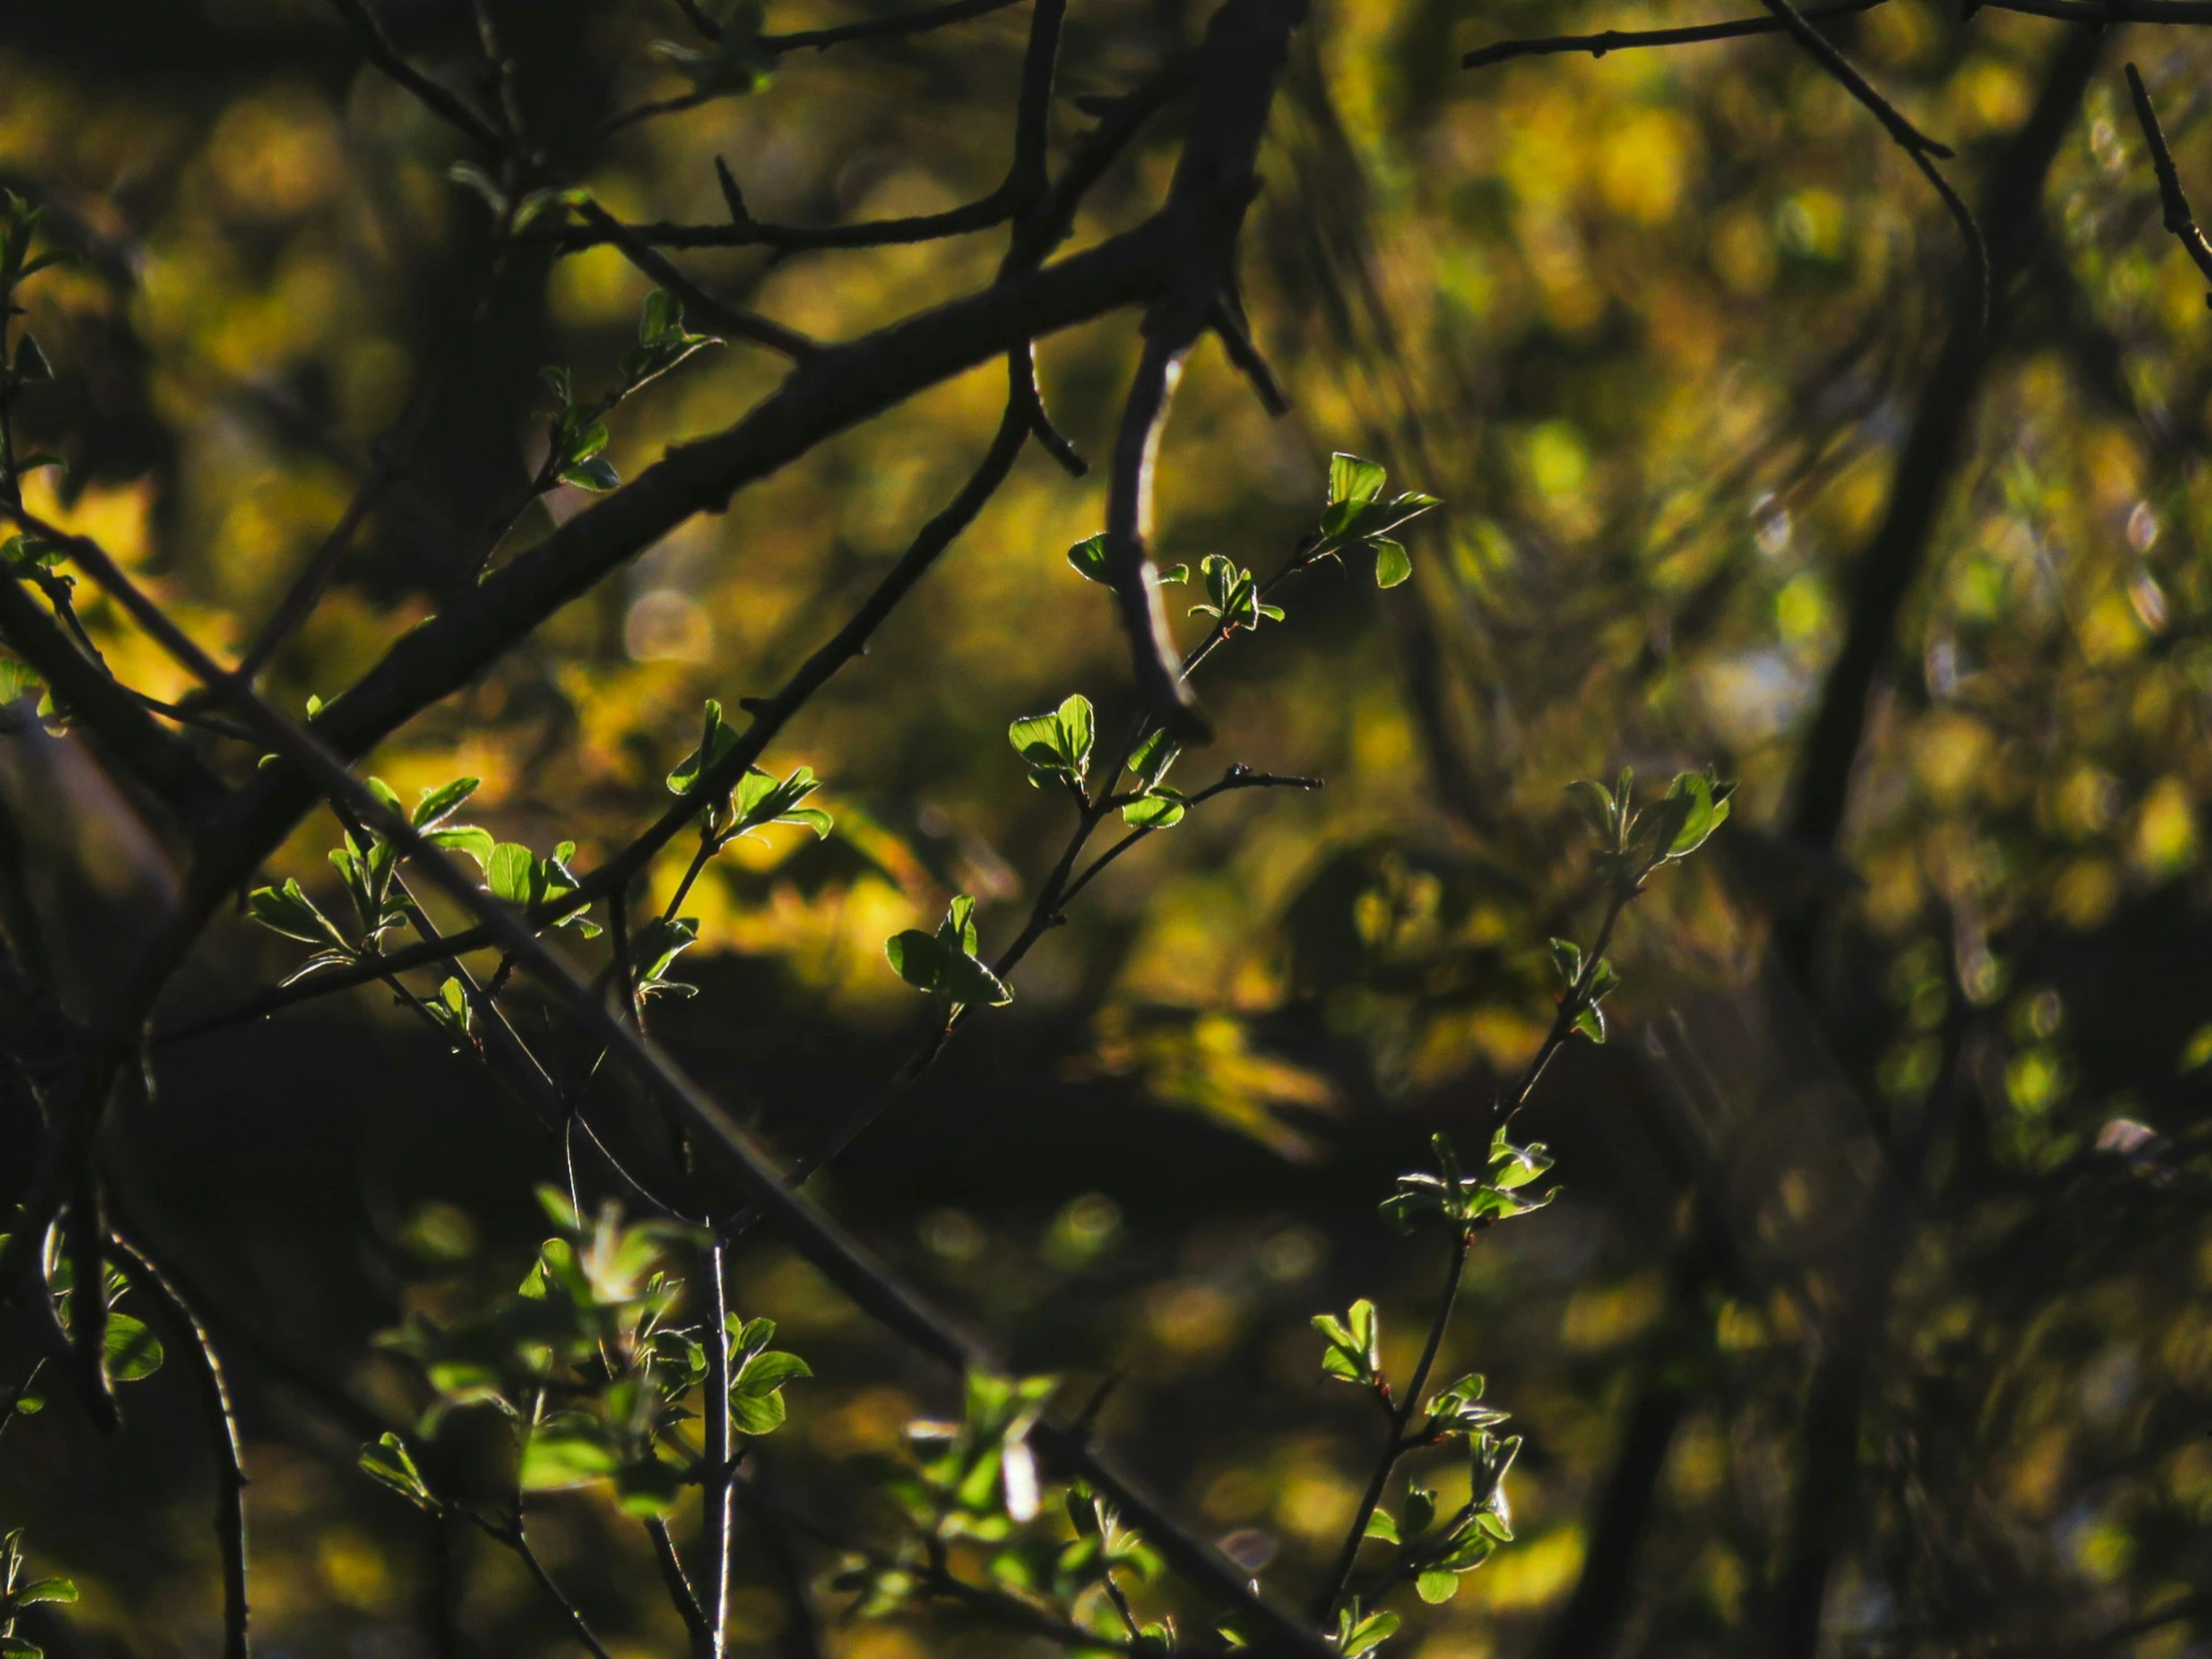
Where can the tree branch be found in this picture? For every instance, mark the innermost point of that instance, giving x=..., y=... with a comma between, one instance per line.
x=699, y=305
x=2178, y=219
x=1618, y=40
x=2012, y=204
x=230, y=1457
x=883, y=28
x=376, y=46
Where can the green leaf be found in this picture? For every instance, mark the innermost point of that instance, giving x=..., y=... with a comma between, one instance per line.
x=44, y=1589
x=946, y=963
x=970, y=983
x=1598, y=809
x=16, y=1647
x=647, y=1488
x=1591, y=1021
x=464, y=837
x=1158, y=810
x=390, y=1462
x=715, y=740
x=1421, y=1509
x=134, y=1352
x=766, y=1372
x=1370, y=1633
x=289, y=911
x=1353, y=481
x=1153, y=757
x=914, y=957
x=1701, y=806
x=1392, y=564
x=17, y=680
x=597, y=475
x=508, y=871
x=1057, y=744
x=571, y=1453
x=1355, y=1343
x=26, y=551
x=1381, y=1526
x=437, y=804
x=1437, y=1586
x=757, y=1413
x=758, y=799
x=1088, y=556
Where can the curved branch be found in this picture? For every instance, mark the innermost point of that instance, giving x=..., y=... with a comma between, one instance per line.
x=1023, y=184
x=2172, y=198
x=376, y=46
x=2012, y=204
x=229, y=1457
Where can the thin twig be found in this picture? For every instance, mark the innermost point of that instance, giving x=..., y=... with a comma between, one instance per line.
x=1397, y=1443
x=393, y=457
x=1923, y=151
x=1237, y=777
x=680, y=1590
x=376, y=46
x=1625, y=40
x=883, y=28
x=229, y=1457
x=699, y=305
x=721, y=1471
x=2178, y=219
x=518, y=1540
x=2100, y=13
x=1022, y=186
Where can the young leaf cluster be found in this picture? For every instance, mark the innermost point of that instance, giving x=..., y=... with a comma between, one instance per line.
x=756, y=799
x=575, y=434
x=973, y=1485
x=1354, y=1351
x=944, y=963
x=1635, y=841
x=1469, y=1202
x=132, y=1352
x=367, y=865
x=1356, y=516
x=1057, y=745
x=27, y=365
x=1232, y=595
x=1435, y=1554
x=732, y=63
x=584, y=1361
x=19, y=1590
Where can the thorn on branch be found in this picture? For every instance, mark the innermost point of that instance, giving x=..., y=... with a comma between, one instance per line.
x=732, y=197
